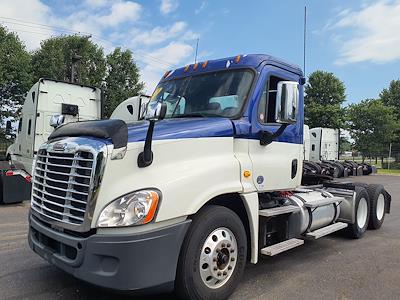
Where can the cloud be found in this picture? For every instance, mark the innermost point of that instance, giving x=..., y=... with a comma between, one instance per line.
x=97, y=3
x=121, y=12
x=159, y=34
x=175, y=53
x=372, y=33
x=202, y=6
x=168, y=6
x=111, y=24
x=35, y=12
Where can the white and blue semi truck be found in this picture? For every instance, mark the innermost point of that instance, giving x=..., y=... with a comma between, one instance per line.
x=182, y=200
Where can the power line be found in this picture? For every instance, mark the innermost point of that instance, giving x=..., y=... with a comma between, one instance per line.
x=62, y=29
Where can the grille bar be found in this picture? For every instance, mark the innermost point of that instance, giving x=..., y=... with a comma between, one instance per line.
x=62, y=184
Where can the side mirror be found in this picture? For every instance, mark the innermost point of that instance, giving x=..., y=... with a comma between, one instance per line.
x=287, y=101
x=56, y=120
x=156, y=111
x=8, y=127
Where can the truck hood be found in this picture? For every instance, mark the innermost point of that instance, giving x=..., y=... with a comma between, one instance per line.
x=184, y=128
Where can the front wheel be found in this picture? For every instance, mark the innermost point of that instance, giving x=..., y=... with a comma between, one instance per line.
x=213, y=255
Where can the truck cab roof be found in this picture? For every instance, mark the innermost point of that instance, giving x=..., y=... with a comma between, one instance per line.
x=240, y=61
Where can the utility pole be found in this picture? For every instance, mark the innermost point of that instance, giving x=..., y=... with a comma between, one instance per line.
x=75, y=60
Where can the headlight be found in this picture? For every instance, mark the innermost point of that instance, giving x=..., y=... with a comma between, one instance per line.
x=132, y=209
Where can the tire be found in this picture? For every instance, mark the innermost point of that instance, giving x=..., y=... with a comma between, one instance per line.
x=362, y=212
x=194, y=283
x=340, y=167
x=316, y=167
x=378, y=205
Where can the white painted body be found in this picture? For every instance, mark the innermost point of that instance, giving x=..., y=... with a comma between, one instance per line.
x=44, y=100
x=131, y=110
x=324, y=144
x=306, y=144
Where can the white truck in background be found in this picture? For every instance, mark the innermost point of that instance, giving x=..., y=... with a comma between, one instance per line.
x=49, y=104
x=324, y=143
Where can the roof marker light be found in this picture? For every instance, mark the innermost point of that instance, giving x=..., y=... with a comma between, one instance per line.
x=186, y=68
x=167, y=73
x=204, y=64
x=195, y=66
x=237, y=59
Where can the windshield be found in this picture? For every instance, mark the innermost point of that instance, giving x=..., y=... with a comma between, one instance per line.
x=216, y=94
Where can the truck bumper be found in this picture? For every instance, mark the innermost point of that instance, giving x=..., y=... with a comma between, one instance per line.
x=134, y=262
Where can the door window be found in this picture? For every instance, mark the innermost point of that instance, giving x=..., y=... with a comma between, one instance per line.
x=267, y=104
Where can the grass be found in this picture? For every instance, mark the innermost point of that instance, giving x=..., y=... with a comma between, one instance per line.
x=388, y=172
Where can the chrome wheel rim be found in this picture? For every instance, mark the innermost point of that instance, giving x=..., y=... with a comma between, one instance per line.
x=218, y=258
x=380, y=207
x=362, y=213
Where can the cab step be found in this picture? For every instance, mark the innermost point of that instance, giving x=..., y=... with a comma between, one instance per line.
x=275, y=211
x=281, y=247
x=326, y=230
x=323, y=202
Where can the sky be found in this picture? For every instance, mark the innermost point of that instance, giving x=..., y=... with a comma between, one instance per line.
x=358, y=41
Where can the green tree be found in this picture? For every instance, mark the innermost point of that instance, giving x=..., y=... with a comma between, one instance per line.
x=372, y=125
x=122, y=80
x=391, y=97
x=325, y=94
x=54, y=60
x=15, y=75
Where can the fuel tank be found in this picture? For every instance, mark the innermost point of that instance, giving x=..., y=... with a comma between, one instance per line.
x=310, y=219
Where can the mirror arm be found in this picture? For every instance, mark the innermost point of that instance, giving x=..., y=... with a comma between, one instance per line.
x=267, y=137
x=145, y=158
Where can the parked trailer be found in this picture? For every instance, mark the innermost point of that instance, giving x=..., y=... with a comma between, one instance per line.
x=50, y=104
x=211, y=180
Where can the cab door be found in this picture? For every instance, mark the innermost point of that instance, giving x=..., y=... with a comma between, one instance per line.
x=277, y=165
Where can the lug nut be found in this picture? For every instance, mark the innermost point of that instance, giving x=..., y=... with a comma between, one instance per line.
x=214, y=259
x=228, y=245
x=219, y=274
x=229, y=268
x=224, y=273
x=223, y=245
x=232, y=259
x=215, y=268
x=232, y=250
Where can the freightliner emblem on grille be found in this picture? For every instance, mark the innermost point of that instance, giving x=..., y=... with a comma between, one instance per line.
x=59, y=146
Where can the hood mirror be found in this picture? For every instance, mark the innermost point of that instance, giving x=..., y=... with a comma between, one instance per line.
x=56, y=120
x=156, y=111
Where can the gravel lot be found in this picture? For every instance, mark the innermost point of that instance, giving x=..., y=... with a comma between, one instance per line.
x=332, y=267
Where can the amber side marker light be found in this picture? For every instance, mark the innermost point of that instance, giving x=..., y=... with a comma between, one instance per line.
x=246, y=174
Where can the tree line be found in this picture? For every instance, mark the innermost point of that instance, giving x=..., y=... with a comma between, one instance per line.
x=373, y=124
x=116, y=73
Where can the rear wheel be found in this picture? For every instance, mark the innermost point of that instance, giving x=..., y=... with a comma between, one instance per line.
x=362, y=212
x=213, y=255
x=378, y=205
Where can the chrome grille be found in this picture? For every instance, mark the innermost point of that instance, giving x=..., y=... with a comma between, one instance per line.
x=62, y=184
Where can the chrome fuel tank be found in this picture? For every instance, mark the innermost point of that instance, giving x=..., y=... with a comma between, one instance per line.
x=310, y=219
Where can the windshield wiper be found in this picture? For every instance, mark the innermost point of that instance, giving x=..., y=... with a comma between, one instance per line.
x=190, y=115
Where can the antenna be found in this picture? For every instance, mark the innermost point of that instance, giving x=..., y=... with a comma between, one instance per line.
x=304, y=40
x=197, y=47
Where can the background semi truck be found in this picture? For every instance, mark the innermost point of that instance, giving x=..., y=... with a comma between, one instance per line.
x=183, y=200
x=47, y=105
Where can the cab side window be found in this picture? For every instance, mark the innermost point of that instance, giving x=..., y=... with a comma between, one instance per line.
x=267, y=104
x=20, y=125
